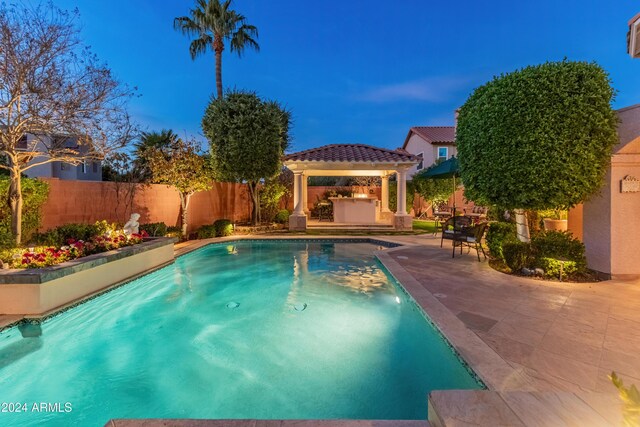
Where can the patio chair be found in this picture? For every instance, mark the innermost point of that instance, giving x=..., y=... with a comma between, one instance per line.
x=450, y=232
x=472, y=238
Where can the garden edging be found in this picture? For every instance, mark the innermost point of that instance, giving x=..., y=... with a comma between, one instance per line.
x=37, y=291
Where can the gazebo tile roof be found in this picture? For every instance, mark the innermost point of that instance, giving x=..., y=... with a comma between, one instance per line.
x=351, y=153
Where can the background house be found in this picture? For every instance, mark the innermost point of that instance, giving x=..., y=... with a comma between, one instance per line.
x=430, y=143
x=88, y=170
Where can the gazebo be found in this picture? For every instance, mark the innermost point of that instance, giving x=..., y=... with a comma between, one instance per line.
x=351, y=160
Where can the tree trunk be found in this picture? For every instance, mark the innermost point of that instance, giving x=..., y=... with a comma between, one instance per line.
x=15, y=204
x=184, y=206
x=522, y=226
x=218, y=47
x=255, y=203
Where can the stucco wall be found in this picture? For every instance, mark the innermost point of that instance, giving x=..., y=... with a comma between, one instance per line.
x=90, y=201
x=417, y=145
x=611, y=229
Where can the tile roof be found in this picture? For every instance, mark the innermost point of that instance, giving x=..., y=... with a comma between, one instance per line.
x=351, y=153
x=433, y=134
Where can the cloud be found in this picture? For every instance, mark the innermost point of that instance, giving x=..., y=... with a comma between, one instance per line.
x=432, y=89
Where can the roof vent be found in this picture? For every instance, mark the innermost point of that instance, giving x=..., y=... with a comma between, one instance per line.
x=633, y=37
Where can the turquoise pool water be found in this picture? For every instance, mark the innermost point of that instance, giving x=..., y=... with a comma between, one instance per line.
x=244, y=330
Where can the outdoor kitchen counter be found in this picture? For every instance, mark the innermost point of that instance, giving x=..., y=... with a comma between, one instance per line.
x=355, y=210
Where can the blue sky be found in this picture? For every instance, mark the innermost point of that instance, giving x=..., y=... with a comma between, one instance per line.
x=354, y=71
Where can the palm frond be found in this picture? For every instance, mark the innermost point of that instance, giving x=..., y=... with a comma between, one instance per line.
x=243, y=38
x=199, y=45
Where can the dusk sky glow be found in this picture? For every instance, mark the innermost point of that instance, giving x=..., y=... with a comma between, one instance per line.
x=352, y=71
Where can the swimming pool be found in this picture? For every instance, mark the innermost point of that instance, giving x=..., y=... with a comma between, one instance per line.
x=249, y=329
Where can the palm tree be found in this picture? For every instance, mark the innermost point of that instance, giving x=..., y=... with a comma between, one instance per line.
x=213, y=23
x=164, y=141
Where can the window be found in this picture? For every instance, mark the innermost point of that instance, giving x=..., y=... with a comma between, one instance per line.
x=63, y=166
x=421, y=157
x=94, y=166
x=443, y=153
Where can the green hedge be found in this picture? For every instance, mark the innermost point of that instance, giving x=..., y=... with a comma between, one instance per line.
x=498, y=234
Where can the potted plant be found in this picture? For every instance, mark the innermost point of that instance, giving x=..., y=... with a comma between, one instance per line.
x=554, y=219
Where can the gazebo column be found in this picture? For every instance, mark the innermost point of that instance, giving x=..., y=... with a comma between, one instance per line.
x=298, y=219
x=385, y=193
x=401, y=220
x=305, y=197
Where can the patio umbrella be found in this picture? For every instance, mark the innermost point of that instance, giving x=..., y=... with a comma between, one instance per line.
x=447, y=169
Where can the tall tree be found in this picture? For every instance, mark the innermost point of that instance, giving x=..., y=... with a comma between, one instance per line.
x=57, y=101
x=183, y=167
x=212, y=23
x=248, y=137
x=537, y=138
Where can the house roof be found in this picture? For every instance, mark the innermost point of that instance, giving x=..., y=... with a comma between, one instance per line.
x=351, y=153
x=436, y=135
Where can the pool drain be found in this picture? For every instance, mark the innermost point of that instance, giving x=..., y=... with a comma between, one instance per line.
x=300, y=307
x=233, y=305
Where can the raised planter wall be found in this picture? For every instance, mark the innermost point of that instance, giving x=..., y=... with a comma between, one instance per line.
x=38, y=291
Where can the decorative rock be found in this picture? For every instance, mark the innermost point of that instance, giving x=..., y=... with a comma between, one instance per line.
x=539, y=272
x=233, y=305
x=526, y=271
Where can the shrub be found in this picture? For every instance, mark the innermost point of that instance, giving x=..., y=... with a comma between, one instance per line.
x=498, y=234
x=559, y=244
x=282, y=216
x=270, y=197
x=517, y=255
x=154, y=229
x=6, y=237
x=34, y=193
x=206, y=232
x=175, y=232
x=58, y=236
x=223, y=227
x=551, y=267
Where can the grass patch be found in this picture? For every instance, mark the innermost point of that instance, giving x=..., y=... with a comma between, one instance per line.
x=424, y=226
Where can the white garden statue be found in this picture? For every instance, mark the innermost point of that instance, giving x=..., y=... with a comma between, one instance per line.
x=132, y=226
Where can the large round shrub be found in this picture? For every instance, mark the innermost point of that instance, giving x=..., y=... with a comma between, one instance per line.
x=537, y=138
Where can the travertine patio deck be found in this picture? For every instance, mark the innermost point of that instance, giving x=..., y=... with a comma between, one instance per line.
x=565, y=336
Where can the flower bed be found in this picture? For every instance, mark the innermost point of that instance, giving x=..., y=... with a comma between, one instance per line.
x=45, y=256
x=36, y=291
